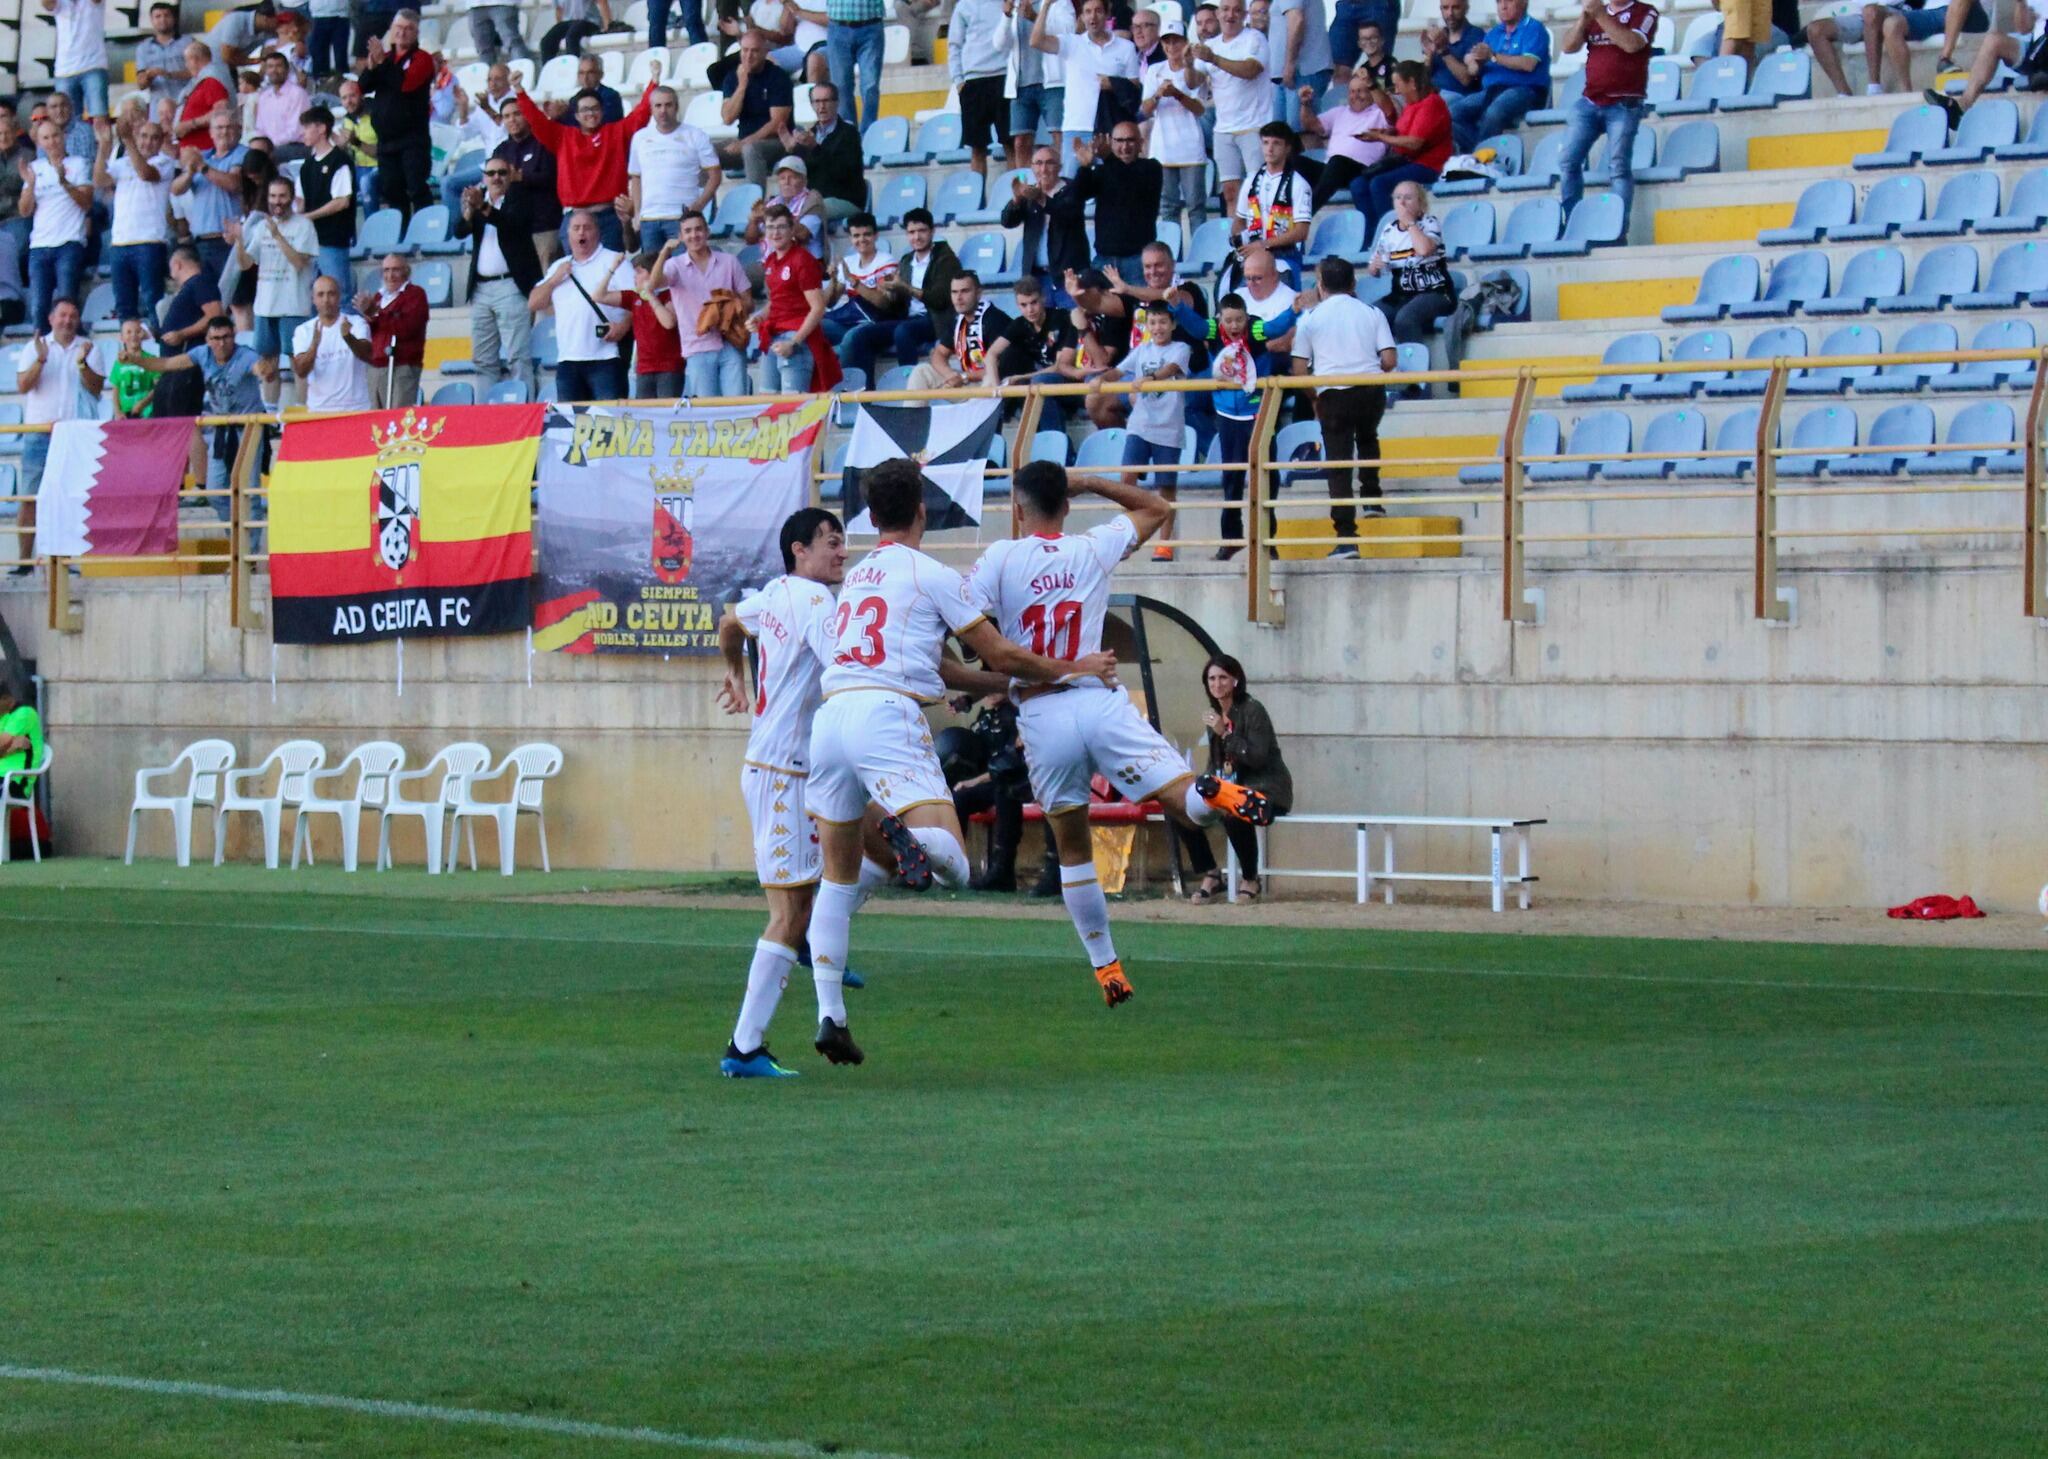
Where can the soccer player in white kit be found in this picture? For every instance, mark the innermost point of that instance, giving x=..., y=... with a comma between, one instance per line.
x=1050, y=590
x=870, y=740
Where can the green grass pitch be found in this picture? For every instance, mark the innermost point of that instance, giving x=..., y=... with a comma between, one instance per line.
x=1311, y=1194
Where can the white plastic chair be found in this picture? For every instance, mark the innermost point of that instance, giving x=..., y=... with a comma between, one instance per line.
x=534, y=765
x=455, y=765
x=206, y=763
x=295, y=761
x=557, y=79
x=642, y=69
x=10, y=797
x=375, y=763
x=693, y=66
x=895, y=45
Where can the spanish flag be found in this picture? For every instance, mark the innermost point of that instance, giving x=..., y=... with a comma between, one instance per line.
x=403, y=524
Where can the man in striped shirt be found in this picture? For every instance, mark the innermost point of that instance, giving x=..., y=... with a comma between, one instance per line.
x=853, y=38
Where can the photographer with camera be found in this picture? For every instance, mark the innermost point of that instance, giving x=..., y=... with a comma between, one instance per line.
x=984, y=765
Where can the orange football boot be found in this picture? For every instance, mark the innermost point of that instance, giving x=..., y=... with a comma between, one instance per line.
x=1116, y=988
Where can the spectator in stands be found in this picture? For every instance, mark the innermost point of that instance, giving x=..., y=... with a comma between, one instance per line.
x=584, y=291
x=671, y=169
x=280, y=249
x=1243, y=748
x=657, y=348
x=1961, y=17
x=797, y=40
x=78, y=133
x=922, y=19
x=758, y=104
x=56, y=194
x=1410, y=246
x=15, y=149
x=973, y=356
x=195, y=301
x=977, y=60
x=1208, y=23
x=926, y=272
x=590, y=77
x=233, y=380
x=1239, y=81
x=398, y=82
x=1446, y=48
x=790, y=329
x=830, y=151
x=1300, y=47
x=357, y=134
x=1040, y=348
x=1995, y=49
x=480, y=117
x=1746, y=32
x=1884, y=30
x=853, y=42
x=80, y=62
x=1276, y=204
x=210, y=86
x=211, y=181
x=290, y=43
x=533, y=178
x=1344, y=335
x=1094, y=62
x=1346, y=17
x=325, y=185
x=1245, y=348
x=505, y=270
x=1053, y=214
x=1033, y=80
x=574, y=26
x=1175, y=98
x=1144, y=28
x=140, y=180
x=590, y=157
x=498, y=35
x=1417, y=147
x=327, y=47
x=21, y=731
x=862, y=288
x=279, y=105
x=1377, y=62
x=692, y=12
x=1156, y=423
x=1514, y=77
x=1125, y=187
x=396, y=350
x=237, y=35
x=704, y=284
x=331, y=375
x=1349, y=132
x=133, y=388
x=160, y=56
x=1615, y=35
x=49, y=371
x=793, y=192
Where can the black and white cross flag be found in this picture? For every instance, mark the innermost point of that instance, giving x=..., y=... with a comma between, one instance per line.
x=951, y=442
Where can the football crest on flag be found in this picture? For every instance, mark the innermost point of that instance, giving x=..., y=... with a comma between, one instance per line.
x=675, y=503
x=950, y=442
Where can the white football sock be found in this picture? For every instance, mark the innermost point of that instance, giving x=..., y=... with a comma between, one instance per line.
x=765, y=981
x=831, y=930
x=949, y=862
x=873, y=877
x=1199, y=810
x=1082, y=892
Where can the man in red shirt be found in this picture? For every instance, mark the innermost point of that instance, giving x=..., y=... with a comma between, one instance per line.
x=794, y=355
x=1616, y=37
x=590, y=157
x=1417, y=147
x=397, y=347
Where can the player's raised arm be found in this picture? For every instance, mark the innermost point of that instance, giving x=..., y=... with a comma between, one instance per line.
x=1148, y=510
x=732, y=640
x=1006, y=657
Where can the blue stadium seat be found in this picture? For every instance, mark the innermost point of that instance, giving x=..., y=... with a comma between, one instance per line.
x=851, y=379
x=898, y=195
x=996, y=198
x=1737, y=433
x=1533, y=221
x=1784, y=341
x=1598, y=433
x=1782, y=76
x=1637, y=348
x=1539, y=438
x=1926, y=337
x=1676, y=435
x=1642, y=157
x=98, y=306
x=1010, y=272
x=1909, y=429
x=1341, y=233
x=1665, y=84
x=983, y=253
x=437, y=279
x=455, y=392
x=1826, y=204
x=1539, y=170
x=1967, y=199
x=1915, y=132
x=1169, y=233
x=542, y=340
x=1894, y=202
x=1050, y=446
x=2027, y=209
x=1693, y=147
x=1210, y=245
x=379, y=234
x=2019, y=270
x=1999, y=334
x=1729, y=280
x=10, y=444
x=2036, y=144
x=1941, y=274
x=959, y=192
x=1821, y=431
x=1507, y=162
x=1869, y=276
x=1100, y=449
x=1982, y=426
x=1850, y=339
x=1300, y=441
x=431, y=232
x=1596, y=222
x=1714, y=81
x=885, y=142
x=729, y=218
x=1564, y=90
x=1991, y=124
x=1467, y=226
x=939, y=138
x=1702, y=346
x=896, y=377
x=1411, y=359
x=1796, y=280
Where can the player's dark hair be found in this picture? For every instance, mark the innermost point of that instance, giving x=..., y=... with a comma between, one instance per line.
x=1231, y=667
x=1041, y=486
x=894, y=490
x=801, y=530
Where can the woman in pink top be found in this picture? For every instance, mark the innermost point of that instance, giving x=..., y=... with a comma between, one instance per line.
x=1346, y=132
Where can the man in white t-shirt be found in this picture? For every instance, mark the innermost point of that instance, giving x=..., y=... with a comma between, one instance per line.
x=1344, y=335
x=671, y=169
x=139, y=249
x=331, y=376
x=1239, y=81
x=1091, y=60
x=1176, y=97
x=58, y=375
x=587, y=293
x=56, y=194
x=80, y=64
x=280, y=247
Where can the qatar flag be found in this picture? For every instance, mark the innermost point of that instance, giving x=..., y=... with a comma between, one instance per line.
x=111, y=488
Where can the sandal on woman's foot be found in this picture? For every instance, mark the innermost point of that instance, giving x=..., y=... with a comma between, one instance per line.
x=1248, y=889
x=1210, y=889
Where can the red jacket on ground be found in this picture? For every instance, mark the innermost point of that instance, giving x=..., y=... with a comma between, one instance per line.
x=590, y=167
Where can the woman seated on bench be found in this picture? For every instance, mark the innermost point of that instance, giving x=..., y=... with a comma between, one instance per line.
x=1243, y=748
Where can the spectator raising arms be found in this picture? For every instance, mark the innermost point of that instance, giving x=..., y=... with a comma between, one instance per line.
x=396, y=350
x=591, y=157
x=140, y=179
x=49, y=371
x=398, y=80
x=331, y=374
x=1093, y=60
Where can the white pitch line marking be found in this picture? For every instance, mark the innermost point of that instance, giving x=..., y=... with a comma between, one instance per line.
x=434, y=1413
x=1015, y=954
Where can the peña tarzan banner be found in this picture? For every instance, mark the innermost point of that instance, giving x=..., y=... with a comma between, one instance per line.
x=652, y=520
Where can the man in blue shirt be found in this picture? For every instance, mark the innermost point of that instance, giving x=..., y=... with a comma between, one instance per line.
x=1446, y=48
x=212, y=183
x=1514, y=78
x=234, y=378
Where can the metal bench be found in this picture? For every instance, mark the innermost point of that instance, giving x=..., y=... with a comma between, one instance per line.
x=1504, y=830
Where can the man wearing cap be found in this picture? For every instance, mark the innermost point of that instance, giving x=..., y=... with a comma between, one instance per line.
x=806, y=208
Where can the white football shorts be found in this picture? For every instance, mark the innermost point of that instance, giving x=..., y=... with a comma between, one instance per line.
x=1072, y=735
x=785, y=842
x=872, y=744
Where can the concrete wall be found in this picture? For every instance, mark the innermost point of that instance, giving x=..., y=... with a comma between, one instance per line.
x=1889, y=744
